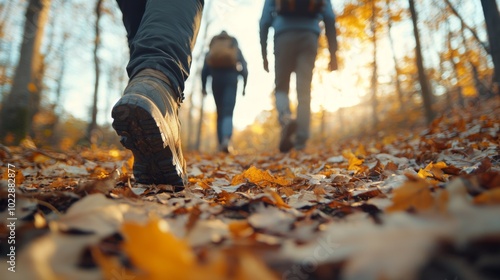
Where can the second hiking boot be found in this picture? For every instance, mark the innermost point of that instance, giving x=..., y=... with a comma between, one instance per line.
x=147, y=120
x=287, y=132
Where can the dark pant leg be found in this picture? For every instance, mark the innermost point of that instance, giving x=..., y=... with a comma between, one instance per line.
x=132, y=11
x=164, y=38
x=308, y=46
x=224, y=87
x=284, y=57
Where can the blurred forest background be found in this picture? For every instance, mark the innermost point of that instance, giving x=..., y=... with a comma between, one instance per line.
x=443, y=55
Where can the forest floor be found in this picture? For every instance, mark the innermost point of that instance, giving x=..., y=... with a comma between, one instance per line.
x=420, y=204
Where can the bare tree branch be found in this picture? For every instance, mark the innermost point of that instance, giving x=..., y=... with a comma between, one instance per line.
x=474, y=33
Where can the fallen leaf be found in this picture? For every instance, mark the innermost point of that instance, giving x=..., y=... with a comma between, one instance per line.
x=488, y=197
x=92, y=214
x=240, y=229
x=414, y=194
x=259, y=177
x=166, y=254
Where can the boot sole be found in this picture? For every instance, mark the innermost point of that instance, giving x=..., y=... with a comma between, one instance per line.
x=286, y=143
x=144, y=131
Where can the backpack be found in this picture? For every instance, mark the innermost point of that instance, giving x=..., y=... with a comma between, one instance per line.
x=308, y=8
x=223, y=52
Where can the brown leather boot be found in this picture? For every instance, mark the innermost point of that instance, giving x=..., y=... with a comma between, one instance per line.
x=146, y=118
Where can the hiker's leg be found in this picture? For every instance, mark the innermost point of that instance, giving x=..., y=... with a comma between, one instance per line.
x=165, y=39
x=229, y=102
x=132, y=11
x=224, y=86
x=218, y=93
x=146, y=117
x=308, y=44
x=284, y=57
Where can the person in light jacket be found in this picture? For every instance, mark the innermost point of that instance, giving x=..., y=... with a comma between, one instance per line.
x=295, y=49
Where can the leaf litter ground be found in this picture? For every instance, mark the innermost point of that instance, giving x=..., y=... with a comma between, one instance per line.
x=417, y=205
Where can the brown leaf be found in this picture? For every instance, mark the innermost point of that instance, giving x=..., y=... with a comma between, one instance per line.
x=485, y=166
x=240, y=229
x=287, y=191
x=377, y=169
x=452, y=170
x=413, y=194
x=276, y=199
x=489, y=197
x=391, y=166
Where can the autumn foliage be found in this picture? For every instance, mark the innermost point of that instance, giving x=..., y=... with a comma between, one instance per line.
x=394, y=207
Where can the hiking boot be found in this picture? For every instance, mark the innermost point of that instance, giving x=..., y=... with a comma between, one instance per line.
x=146, y=118
x=287, y=132
x=224, y=146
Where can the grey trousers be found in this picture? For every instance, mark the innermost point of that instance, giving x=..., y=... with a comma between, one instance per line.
x=295, y=51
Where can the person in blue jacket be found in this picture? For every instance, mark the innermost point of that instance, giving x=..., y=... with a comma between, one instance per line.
x=295, y=49
x=161, y=35
x=224, y=87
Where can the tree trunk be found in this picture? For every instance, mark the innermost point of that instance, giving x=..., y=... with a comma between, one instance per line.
x=424, y=83
x=481, y=88
x=200, y=59
x=23, y=100
x=60, y=75
x=200, y=124
x=5, y=11
x=399, y=90
x=374, y=73
x=93, y=118
x=458, y=87
x=492, y=18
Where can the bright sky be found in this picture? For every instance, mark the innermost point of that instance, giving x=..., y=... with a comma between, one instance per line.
x=241, y=19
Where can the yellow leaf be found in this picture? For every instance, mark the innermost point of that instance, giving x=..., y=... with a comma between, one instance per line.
x=238, y=179
x=439, y=165
x=165, y=253
x=240, y=229
x=422, y=173
x=389, y=140
x=354, y=163
x=259, y=177
x=413, y=194
x=347, y=154
x=361, y=151
x=278, y=200
x=433, y=170
x=40, y=158
x=19, y=177
x=160, y=255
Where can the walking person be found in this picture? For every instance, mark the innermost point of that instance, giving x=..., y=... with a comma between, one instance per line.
x=161, y=35
x=296, y=33
x=224, y=62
